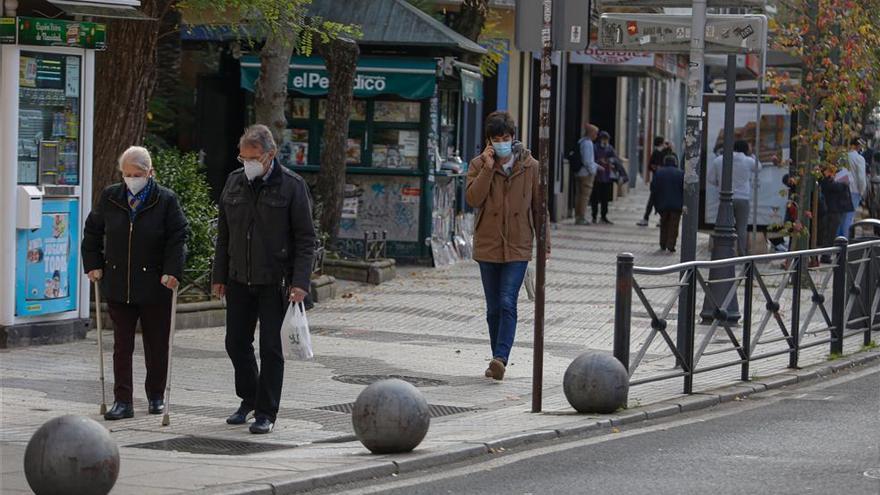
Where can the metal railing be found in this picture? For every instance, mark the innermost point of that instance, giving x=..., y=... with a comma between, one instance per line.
x=774, y=319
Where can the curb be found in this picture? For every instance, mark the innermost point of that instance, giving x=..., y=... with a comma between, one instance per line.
x=389, y=466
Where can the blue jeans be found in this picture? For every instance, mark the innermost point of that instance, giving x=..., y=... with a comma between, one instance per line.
x=848, y=217
x=501, y=284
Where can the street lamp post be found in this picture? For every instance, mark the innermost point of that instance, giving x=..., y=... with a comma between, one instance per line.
x=724, y=236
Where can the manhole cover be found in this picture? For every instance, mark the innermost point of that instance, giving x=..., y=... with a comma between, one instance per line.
x=211, y=446
x=370, y=379
x=436, y=410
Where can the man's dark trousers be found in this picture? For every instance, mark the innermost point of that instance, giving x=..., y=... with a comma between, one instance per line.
x=259, y=389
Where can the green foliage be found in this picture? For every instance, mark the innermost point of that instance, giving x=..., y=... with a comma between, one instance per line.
x=183, y=174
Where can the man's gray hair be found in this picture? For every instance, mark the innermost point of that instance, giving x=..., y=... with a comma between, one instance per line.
x=258, y=135
x=137, y=156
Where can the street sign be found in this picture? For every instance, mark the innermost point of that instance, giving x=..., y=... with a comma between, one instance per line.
x=672, y=33
x=570, y=30
x=646, y=4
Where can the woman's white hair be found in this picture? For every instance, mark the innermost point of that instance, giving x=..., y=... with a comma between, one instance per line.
x=137, y=156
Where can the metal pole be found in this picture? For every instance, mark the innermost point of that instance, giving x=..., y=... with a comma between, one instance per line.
x=623, y=308
x=724, y=237
x=838, y=301
x=544, y=154
x=693, y=140
x=757, y=153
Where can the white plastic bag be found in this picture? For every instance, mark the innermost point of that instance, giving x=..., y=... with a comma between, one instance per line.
x=529, y=282
x=296, y=342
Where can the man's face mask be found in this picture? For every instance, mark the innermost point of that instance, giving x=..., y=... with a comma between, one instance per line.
x=503, y=149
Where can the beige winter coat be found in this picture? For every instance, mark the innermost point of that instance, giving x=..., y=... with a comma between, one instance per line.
x=507, y=208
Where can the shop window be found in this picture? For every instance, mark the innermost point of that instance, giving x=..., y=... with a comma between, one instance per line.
x=49, y=119
x=396, y=148
x=358, y=110
x=397, y=111
x=299, y=109
x=295, y=147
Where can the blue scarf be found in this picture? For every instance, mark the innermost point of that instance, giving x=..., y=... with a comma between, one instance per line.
x=136, y=202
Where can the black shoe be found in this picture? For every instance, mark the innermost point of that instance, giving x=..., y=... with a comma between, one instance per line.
x=239, y=417
x=262, y=425
x=606, y=221
x=157, y=406
x=119, y=410
x=671, y=250
x=825, y=259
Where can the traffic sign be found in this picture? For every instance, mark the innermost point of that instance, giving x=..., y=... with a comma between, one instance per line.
x=672, y=33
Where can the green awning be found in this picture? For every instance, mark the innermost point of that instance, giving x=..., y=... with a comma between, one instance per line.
x=471, y=86
x=413, y=79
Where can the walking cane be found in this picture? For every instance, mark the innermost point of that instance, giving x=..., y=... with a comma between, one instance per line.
x=166, y=420
x=100, y=344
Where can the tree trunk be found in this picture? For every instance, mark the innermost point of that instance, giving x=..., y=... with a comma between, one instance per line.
x=340, y=56
x=270, y=93
x=469, y=23
x=125, y=76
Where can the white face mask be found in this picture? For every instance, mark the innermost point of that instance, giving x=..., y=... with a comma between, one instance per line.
x=253, y=169
x=135, y=184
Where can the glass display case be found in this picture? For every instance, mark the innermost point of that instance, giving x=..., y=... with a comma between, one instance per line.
x=49, y=119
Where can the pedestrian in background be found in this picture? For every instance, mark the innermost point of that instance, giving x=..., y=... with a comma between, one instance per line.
x=661, y=149
x=668, y=190
x=835, y=202
x=744, y=169
x=263, y=262
x=134, y=245
x=502, y=182
x=587, y=173
x=858, y=186
x=603, y=186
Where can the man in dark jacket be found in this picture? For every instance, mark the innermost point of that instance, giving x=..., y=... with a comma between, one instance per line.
x=265, y=247
x=668, y=191
x=661, y=149
x=134, y=244
x=837, y=201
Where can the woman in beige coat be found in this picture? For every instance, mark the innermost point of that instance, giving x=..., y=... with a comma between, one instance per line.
x=502, y=183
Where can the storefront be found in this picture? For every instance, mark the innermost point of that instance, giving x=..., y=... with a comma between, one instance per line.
x=46, y=101
x=405, y=123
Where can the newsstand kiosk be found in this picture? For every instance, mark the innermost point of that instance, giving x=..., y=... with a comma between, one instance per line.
x=47, y=85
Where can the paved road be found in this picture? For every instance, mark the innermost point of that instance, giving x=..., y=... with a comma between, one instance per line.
x=822, y=439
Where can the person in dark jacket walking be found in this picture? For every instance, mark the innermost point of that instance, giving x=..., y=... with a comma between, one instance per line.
x=668, y=191
x=263, y=261
x=837, y=201
x=603, y=186
x=134, y=243
x=661, y=149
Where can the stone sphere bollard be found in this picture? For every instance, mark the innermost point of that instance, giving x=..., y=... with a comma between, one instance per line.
x=71, y=454
x=596, y=383
x=390, y=417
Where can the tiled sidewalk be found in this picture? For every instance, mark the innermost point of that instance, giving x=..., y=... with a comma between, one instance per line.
x=427, y=324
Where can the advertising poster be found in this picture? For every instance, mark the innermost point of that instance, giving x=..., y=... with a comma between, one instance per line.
x=775, y=144
x=47, y=261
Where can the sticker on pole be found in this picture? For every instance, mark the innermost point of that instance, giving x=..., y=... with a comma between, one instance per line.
x=672, y=33
x=575, y=34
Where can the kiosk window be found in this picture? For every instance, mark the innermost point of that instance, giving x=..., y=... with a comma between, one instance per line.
x=49, y=119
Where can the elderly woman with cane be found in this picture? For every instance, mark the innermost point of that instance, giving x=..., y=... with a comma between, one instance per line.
x=134, y=245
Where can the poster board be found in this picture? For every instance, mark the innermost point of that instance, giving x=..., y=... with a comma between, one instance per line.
x=777, y=129
x=382, y=203
x=47, y=261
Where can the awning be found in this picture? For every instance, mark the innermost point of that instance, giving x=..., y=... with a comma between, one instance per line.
x=413, y=79
x=109, y=9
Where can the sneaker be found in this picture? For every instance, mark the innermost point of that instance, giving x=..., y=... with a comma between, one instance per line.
x=239, y=417
x=642, y=223
x=262, y=426
x=496, y=368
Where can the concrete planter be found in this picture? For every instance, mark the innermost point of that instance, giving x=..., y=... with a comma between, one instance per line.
x=370, y=272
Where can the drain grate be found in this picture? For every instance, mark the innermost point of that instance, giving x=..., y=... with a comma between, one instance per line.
x=370, y=379
x=211, y=446
x=436, y=410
